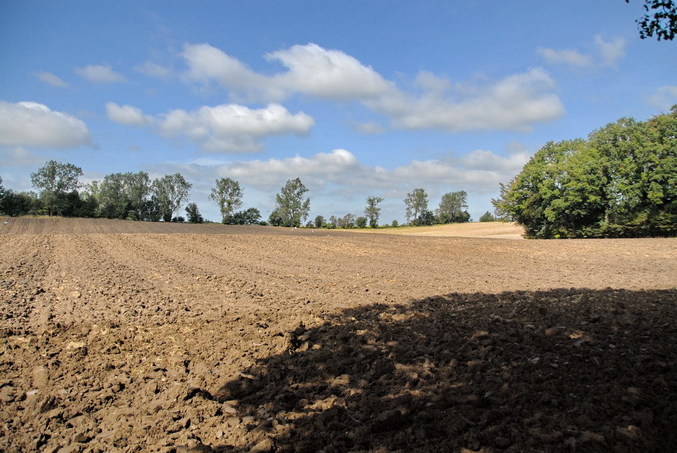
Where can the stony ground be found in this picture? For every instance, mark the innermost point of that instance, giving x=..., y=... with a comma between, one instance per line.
x=121, y=336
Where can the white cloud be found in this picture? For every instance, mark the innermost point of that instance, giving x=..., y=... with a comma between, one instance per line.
x=514, y=103
x=320, y=168
x=610, y=51
x=222, y=128
x=664, y=97
x=18, y=156
x=566, y=57
x=153, y=70
x=479, y=171
x=51, y=79
x=330, y=74
x=33, y=124
x=233, y=127
x=100, y=74
x=127, y=115
x=606, y=53
x=207, y=63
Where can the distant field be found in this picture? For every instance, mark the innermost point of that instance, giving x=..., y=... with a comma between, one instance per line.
x=61, y=225
x=497, y=230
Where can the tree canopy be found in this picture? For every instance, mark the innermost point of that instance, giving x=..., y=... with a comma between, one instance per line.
x=228, y=195
x=660, y=19
x=168, y=194
x=416, y=203
x=620, y=182
x=55, y=180
x=372, y=211
x=453, y=208
x=291, y=208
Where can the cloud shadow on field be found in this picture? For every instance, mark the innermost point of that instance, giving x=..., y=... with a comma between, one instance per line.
x=560, y=370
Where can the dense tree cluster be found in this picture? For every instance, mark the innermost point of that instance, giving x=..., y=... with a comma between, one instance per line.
x=453, y=208
x=130, y=196
x=134, y=196
x=620, y=182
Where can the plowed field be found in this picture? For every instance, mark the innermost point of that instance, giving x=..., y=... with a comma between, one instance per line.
x=122, y=336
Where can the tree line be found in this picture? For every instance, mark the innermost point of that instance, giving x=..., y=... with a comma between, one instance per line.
x=134, y=196
x=620, y=182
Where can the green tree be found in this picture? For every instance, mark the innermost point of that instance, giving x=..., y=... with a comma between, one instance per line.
x=660, y=19
x=319, y=221
x=228, y=195
x=123, y=195
x=55, y=180
x=291, y=207
x=373, y=211
x=250, y=216
x=487, y=217
x=193, y=213
x=347, y=221
x=14, y=204
x=453, y=208
x=168, y=194
x=621, y=182
x=416, y=203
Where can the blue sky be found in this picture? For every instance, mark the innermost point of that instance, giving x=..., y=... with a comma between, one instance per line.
x=357, y=98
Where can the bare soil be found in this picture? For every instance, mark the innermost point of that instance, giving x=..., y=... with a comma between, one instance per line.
x=123, y=336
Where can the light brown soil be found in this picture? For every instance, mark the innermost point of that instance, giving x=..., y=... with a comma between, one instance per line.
x=493, y=230
x=122, y=336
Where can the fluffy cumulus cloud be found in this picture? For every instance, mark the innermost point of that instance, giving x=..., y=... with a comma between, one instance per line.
x=233, y=127
x=513, y=103
x=479, y=171
x=330, y=74
x=32, y=124
x=605, y=53
x=208, y=64
x=318, y=169
x=225, y=128
x=100, y=74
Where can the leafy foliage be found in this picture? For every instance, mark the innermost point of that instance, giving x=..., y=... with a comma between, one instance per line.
x=417, y=204
x=56, y=180
x=621, y=182
x=453, y=208
x=291, y=208
x=123, y=195
x=372, y=211
x=250, y=216
x=487, y=217
x=16, y=204
x=228, y=195
x=319, y=221
x=661, y=19
x=193, y=213
x=168, y=194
